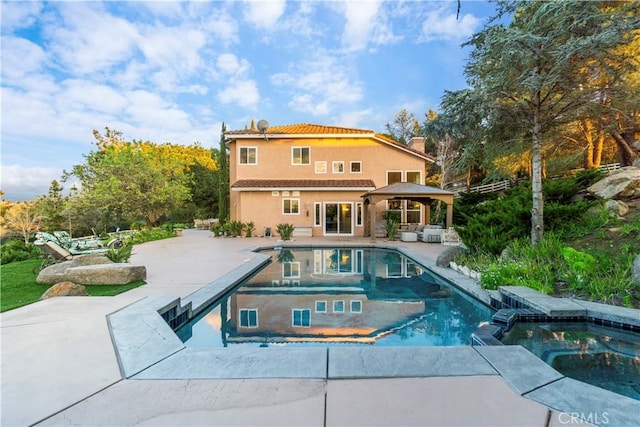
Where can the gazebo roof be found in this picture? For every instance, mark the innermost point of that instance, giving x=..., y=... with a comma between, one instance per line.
x=407, y=190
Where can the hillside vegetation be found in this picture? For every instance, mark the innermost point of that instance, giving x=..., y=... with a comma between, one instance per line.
x=586, y=252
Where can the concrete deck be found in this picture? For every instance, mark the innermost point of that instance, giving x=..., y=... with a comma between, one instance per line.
x=59, y=366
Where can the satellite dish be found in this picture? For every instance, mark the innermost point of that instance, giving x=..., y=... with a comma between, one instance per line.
x=263, y=125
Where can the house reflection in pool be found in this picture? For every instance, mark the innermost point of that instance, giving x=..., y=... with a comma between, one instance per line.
x=330, y=295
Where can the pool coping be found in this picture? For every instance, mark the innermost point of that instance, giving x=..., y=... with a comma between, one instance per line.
x=147, y=348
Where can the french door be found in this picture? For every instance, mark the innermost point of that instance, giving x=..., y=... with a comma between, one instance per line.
x=338, y=218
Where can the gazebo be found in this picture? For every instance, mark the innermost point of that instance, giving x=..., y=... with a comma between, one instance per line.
x=406, y=191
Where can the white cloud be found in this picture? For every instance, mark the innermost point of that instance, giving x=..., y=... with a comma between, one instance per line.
x=264, y=14
x=319, y=85
x=219, y=25
x=87, y=95
x=20, y=58
x=25, y=183
x=88, y=39
x=19, y=14
x=172, y=47
x=366, y=25
x=242, y=92
x=355, y=118
x=228, y=63
x=440, y=25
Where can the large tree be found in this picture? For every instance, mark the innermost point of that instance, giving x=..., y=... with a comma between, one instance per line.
x=139, y=179
x=22, y=218
x=223, y=187
x=531, y=72
x=52, y=208
x=403, y=127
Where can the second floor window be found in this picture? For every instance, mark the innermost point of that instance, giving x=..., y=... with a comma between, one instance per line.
x=248, y=155
x=300, y=155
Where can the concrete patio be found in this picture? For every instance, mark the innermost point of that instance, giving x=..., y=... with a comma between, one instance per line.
x=59, y=366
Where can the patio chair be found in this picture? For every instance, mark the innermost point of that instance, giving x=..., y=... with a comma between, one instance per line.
x=56, y=251
x=52, y=253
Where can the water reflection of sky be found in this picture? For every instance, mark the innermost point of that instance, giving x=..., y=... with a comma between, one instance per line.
x=342, y=296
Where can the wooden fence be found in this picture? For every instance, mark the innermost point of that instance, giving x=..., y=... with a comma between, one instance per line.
x=505, y=184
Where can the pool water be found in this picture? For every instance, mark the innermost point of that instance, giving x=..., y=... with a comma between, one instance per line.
x=339, y=296
x=604, y=357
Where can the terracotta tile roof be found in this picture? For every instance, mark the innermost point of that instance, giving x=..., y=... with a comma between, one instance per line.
x=304, y=183
x=302, y=129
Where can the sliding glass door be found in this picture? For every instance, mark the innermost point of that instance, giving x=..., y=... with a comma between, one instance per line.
x=338, y=218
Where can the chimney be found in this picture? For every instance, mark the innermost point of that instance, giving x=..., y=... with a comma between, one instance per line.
x=416, y=143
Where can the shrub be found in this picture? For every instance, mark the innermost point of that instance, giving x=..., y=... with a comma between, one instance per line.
x=217, y=229
x=18, y=250
x=249, y=228
x=150, y=235
x=588, y=177
x=120, y=254
x=560, y=190
x=285, y=231
x=233, y=228
x=391, y=228
x=138, y=225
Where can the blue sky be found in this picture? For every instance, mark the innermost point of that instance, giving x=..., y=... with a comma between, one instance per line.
x=174, y=71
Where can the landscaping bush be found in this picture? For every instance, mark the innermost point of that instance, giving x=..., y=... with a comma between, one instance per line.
x=249, y=228
x=234, y=228
x=120, y=254
x=146, y=235
x=588, y=177
x=18, y=250
x=285, y=231
x=560, y=190
x=391, y=227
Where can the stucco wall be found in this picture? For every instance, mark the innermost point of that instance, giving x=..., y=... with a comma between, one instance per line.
x=274, y=161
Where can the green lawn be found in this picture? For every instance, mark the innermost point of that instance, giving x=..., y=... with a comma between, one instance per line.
x=18, y=285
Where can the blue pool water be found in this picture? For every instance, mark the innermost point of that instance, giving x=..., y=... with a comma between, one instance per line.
x=604, y=357
x=339, y=296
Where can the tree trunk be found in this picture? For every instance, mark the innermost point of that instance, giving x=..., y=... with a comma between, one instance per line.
x=537, y=211
x=626, y=154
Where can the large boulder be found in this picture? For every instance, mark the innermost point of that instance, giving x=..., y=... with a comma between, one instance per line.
x=623, y=184
x=616, y=208
x=65, y=289
x=104, y=272
x=56, y=272
x=448, y=255
x=107, y=274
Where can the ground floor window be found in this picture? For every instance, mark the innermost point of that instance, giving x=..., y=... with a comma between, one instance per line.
x=248, y=318
x=291, y=206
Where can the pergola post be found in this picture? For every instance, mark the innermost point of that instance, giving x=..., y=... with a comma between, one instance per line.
x=372, y=218
x=427, y=213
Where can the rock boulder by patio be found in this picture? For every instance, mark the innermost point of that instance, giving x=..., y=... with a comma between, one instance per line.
x=101, y=272
x=623, y=184
x=65, y=289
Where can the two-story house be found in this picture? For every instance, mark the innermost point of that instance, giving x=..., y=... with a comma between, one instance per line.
x=315, y=177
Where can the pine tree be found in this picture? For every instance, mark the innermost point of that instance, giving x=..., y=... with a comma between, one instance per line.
x=223, y=189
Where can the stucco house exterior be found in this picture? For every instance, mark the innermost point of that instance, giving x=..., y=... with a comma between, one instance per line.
x=315, y=176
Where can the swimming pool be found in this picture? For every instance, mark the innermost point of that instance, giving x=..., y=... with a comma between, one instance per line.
x=604, y=357
x=336, y=297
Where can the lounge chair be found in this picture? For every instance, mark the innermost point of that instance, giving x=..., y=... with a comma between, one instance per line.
x=53, y=253
x=63, y=240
